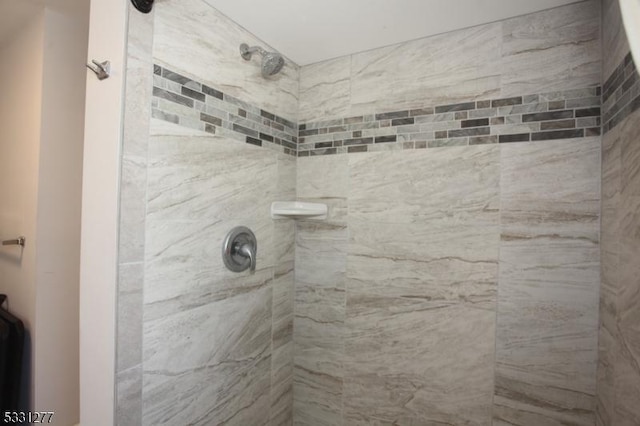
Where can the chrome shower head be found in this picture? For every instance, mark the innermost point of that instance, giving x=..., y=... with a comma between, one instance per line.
x=272, y=62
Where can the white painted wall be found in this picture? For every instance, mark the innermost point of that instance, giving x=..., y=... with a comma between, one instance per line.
x=100, y=192
x=42, y=78
x=21, y=65
x=56, y=339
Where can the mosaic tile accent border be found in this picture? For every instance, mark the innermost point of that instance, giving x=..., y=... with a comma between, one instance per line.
x=186, y=102
x=566, y=114
x=555, y=115
x=620, y=94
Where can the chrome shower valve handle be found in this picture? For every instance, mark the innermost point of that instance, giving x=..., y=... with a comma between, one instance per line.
x=239, y=250
x=248, y=251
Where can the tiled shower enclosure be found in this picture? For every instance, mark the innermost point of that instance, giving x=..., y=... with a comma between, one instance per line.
x=479, y=184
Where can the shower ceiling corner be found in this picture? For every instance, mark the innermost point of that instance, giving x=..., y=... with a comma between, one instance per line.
x=299, y=28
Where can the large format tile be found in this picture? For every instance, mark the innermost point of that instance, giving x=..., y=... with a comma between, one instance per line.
x=282, y=385
x=608, y=334
x=421, y=286
x=627, y=366
x=449, y=68
x=129, y=324
x=325, y=90
x=131, y=239
x=425, y=187
x=630, y=156
x=210, y=363
x=212, y=345
x=133, y=186
x=323, y=177
x=200, y=178
x=199, y=189
x=184, y=267
x=546, y=348
x=615, y=45
x=198, y=40
x=413, y=361
x=282, y=362
x=400, y=260
x=129, y=397
x=283, y=300
x=557, y=49
x=139, y=82
x=319, y=324
x=610, y=230
x=425, y=225
x=608, y=353
x=320, y=265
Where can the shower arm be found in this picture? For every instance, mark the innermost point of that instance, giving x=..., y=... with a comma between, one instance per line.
x=247, y=51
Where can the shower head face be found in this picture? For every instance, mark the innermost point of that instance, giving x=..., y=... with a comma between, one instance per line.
x=272, y=63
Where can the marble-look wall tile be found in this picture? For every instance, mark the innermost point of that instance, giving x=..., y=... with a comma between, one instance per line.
x=630, y=157
x=615, y=45
x=133, y=182
x=183, y=170
x=283, y=300
x=556, y=49
x=453, y=67
x=610, y=281
x=546, y=350
x=199, y=188
x=627, y=366
x=627, y=361
x=319, y=326
x=211, y=363
x=139, y=83
x=133, y=187
x=421, y=287
x=610, y=230
x=608, y=352
x=618, y=371
x=320, y=266
x=542, y=52
x=325, y=90
x=323, y=178
x=216, y=346
x=129, y=325
x=282, y=382
x=619, y=346
x=195, y=38
x=137, y=115
x=207, y=331
x=129, y=397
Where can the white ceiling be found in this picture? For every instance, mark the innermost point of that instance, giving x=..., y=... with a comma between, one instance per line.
x=309, y=31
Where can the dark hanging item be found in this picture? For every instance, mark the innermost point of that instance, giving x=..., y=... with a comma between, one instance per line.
x=143, y=6
x=11, y=356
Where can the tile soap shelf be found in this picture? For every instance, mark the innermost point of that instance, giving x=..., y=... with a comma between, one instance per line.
x=298, y=210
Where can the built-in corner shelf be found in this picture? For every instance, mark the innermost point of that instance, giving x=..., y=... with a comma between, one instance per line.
x=298, y=210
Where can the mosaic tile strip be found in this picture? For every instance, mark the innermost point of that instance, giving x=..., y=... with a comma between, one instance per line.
x=186, y=102
x=620, y=94
x=555, y=115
